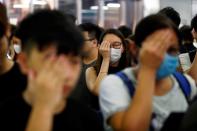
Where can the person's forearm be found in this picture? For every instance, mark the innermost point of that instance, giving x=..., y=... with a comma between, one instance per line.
x=40, y=119
x=193, y=70
x=138, y=115
x=102, y=73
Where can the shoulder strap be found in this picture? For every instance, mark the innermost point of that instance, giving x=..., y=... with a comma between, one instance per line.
x=184, y=84
x=127, y=82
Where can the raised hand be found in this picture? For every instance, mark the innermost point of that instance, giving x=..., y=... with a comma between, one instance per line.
x=105, y=50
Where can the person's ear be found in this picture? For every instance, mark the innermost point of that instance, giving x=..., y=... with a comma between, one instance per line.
x=122, y=49
x=22, y=60
x=95, y=43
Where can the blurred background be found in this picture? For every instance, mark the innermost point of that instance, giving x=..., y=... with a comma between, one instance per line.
x=106, y=13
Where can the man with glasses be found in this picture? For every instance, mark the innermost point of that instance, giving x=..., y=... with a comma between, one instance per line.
x=91, y=33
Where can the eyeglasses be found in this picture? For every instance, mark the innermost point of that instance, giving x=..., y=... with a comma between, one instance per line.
x=116, y=45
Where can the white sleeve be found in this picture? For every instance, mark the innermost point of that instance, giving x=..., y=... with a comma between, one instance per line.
x=114, y=96
x=193, y=86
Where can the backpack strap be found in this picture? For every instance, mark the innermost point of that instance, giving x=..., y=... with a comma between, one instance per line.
x=184, y=85
x=127, y=82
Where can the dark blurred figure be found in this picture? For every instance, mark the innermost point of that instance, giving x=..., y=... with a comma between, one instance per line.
x=10, y=76
x=15, y=43
x=189, y=122
x=132, y=49
x=187, y=42
x=194, y=29
x=172, y=14
x=91, y=33
x=126, y=31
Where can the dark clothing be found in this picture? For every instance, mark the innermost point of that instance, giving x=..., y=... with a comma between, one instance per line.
x=189, y=48
x=189, y=122
x=81, y=93
x=113, y=70
x=173, y=122
x=14, y=115
x=12, y=83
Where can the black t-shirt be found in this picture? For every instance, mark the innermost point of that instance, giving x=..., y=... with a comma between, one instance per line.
x=81, y=93
x=14, y=116
x=12, y=83
x=113, y=70
x=189, y=122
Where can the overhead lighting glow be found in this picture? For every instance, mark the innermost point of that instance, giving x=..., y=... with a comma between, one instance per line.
x=20, y=6
x=39, y=2
x=113, y=5
x=96, y=7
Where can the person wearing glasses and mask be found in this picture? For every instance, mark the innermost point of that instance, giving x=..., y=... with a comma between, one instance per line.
x=112, y=58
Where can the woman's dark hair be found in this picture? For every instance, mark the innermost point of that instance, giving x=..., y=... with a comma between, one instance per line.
x=185, y=33
x=152, y=23
x=124, y=61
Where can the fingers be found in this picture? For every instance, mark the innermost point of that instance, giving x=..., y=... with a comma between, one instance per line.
x=159, y=40
x=105, y=46
x=48, y=63
x=59, y=69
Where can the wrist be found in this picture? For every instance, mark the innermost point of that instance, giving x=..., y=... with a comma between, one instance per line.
x=43, y=110
x=106, y=58
x=39, y=106
x=148, y=70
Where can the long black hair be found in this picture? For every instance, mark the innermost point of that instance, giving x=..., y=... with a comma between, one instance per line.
x=124, y=60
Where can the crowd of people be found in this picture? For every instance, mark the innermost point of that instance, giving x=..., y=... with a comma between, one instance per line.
x=59, y=76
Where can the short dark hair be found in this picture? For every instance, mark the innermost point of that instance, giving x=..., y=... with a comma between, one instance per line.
x=194, y=23
x=93, y=30
x=172, y=14
x=3, y=15
x=46, y=27
x=152, y=23
x=126, y=31
x=185, y=33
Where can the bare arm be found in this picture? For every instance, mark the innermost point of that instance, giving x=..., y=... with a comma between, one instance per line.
x=41, y=119
x=138, y=115
x=135, y=117
x=93, y=81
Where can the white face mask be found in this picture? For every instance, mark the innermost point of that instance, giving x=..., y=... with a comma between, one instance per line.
x=115, y=55
x=17, y=48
